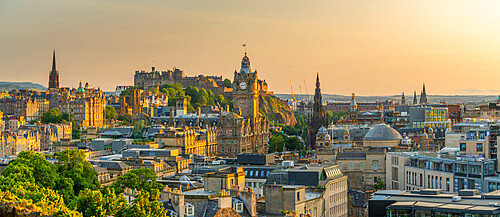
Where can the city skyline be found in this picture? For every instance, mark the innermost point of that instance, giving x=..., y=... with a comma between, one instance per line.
x=354, y=46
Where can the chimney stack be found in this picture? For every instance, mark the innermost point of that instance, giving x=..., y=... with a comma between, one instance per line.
x=225, y=200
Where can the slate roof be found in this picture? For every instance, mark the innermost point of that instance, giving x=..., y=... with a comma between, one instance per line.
x=113, y=165
x=351, y=155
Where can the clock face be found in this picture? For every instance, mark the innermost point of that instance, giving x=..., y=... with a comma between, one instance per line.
x=243, y=85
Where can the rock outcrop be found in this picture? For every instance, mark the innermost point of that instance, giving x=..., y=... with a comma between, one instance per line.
x=276, y=109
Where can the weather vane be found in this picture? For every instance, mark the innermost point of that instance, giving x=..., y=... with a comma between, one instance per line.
x=245, y=46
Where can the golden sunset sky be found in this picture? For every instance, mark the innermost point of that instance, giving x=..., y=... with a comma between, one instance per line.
x=367, y=47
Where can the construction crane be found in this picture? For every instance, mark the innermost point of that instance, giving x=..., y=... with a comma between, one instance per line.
x=307, y=92
x=300, y=89
x=294, y=101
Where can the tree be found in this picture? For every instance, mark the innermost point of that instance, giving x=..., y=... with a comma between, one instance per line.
x=43, y=172
x=111, y=112
x=142, y=179
x=37, y=198
x=220, y=99
x=380, y=184
x=96, y=203
x=278, y=140
x=72, y=164
x=138, y=128
x=154, y=90
x=202, y=98
x=126, y=118
x=227, y=83
x=18, y=173
x=146, y=204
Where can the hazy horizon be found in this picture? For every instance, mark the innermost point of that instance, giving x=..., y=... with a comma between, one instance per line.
x=371, y=48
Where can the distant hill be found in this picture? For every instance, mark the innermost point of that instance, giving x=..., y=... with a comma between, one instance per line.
x=469, y=99
x=8, y=86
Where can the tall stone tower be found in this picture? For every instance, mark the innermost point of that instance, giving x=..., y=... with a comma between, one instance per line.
x=317, y=119
x=352, y=114
x=423, y=96
x=414, y=97
x=245, y=90
x=54, y=74
x=403, y=99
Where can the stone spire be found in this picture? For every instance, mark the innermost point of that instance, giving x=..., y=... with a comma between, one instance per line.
x=403, y=99
x=54, y=61
x=423, y=96
x=317, y=119
x=54, y=74
x=414, y=97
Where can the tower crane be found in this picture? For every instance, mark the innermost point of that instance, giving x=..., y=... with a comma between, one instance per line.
x=307, y=92
x=294, y=101
x=300, y=89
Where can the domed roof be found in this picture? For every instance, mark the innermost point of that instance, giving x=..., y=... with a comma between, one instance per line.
x=322, y=130
x=382, y=132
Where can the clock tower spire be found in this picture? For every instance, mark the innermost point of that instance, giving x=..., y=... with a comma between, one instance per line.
x=245, y=90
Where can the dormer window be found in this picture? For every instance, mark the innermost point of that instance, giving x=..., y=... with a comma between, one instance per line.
x=238, y=207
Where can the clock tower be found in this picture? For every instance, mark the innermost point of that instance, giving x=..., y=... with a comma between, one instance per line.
x=245, y=90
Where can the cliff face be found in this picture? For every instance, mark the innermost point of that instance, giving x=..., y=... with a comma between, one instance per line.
x=276, y=109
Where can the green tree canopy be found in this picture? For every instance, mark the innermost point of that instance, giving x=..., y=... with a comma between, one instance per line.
x=278, y=140
x=96, y=203
x=55, y=116
x=72, y=164
x=154, y=90
x=126, y=118
x=142, y=179
x=43, y=172
x=379, y=185
x=227, y=83
x=146, y=204
x=111, y=112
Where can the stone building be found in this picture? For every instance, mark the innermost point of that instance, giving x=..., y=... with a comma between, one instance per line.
x=310, y=189
x=189, y=140
x=231, y=179
x=245, y=130
x=50, y=133
x=12, y=143
x=86, y=105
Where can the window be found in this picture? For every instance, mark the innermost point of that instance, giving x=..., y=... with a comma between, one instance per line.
x=350, y=166
x=447, y=184
x=375, y=165
x=238, y=207
x=298, y=196
x=463, y=147
x=190, y=211
x=361, y=166
x=479, y=147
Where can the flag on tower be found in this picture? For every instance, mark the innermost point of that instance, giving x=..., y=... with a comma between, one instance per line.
x=244, y=45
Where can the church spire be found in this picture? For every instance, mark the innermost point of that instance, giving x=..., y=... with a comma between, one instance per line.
x=423, y=96
x=414, y=97
x=54, y=75
x=317, y=80
x=54, y=61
